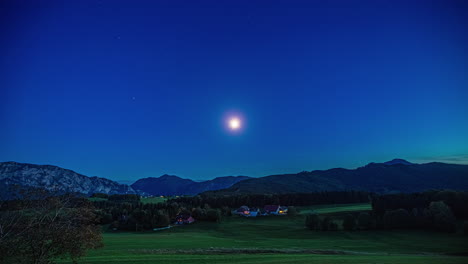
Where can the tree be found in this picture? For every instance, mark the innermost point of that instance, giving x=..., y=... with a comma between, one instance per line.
x=442, y=217
x=43, y=227
x=199, y=214
x=313, y=222
x=399, y=218
x=292, y=211
x=364, y=221
x=213, y=215
x=160, y=219
x=326, y=221
x=349, y=222
x=333, y=226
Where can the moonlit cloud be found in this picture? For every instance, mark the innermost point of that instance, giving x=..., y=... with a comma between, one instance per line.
x=455, y=159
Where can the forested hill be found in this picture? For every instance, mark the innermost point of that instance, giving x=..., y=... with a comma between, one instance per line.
x=393, y=176
x=173, y=185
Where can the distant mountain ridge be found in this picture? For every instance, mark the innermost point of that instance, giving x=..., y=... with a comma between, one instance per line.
x=397, y=175
x=393, y=176
x=55, y=178
x=173, y=185
x=398, y=161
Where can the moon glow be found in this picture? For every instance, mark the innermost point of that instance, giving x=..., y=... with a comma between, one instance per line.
x=234, y=123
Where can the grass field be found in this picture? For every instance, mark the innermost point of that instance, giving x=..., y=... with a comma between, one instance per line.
x=146, y=200
x=234, y=237
x=336, y=208
x=153, y=200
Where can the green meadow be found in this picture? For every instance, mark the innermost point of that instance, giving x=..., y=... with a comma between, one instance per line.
x=156, y=199
x=279, y=239
x=336, y=208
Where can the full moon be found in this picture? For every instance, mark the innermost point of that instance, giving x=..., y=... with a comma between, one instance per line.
x=234, y=123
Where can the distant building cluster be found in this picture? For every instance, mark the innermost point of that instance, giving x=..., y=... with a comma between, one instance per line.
x=266, y=210
x=182, y=219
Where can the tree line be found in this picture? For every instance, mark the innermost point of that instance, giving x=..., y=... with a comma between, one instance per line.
x=260, y=200
x=131, y=214
x=434, y=210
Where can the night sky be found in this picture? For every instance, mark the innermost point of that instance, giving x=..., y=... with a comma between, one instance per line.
x=131, y=89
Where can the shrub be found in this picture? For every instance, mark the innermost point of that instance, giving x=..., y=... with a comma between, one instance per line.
x=100, y=195
x=292, y=211
x=160, y=219
x=349, y=222
x=313, y=222
x=326, y=223
x=106, y=219
x=442, y=217
x=333, y=226
x=213, y=215
x=364, y=221
x=399, y=218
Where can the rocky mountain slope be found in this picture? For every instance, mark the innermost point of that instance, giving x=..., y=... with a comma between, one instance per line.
x=56, y=178
x=173, y=185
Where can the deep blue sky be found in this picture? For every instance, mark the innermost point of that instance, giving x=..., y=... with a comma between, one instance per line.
x=130, y=89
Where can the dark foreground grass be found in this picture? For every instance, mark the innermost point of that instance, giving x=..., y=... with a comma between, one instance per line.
x=273, y=259
x=278, y=239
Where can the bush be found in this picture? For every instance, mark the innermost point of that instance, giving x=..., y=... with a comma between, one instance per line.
x=160, y=219
x=349, y=222
x=313, y=222
x=226, y=211
x=399, y=218
x=326, y=223
x=333, y=226
x=199, y=214
x=100, y=195
x=213, y=215
x=124, y=197
x=442, y=217
x=292, y=211
x=106, y=219
x=364, y=221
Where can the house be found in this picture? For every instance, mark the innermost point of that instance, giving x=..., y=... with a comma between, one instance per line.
x=283, y=210
x=253, y=212
x=276, y=209
x=182, y=219
x=243, y=210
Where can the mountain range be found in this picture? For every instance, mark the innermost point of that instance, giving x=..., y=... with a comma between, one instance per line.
x=397, y=175
x=58, y=179
x=173, y=185
x=63, y=180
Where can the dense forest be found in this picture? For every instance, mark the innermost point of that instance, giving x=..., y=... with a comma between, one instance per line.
x=439, y=210
x=287, y=199
x=127, y=212
x=432, y=210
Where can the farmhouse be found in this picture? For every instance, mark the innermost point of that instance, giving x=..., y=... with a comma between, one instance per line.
x=243, y=210
x=182, y=219
x=253, y=212
x=276, y=209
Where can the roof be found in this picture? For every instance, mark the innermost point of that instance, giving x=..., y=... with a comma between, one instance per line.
x=183, y=216
x=243, y=208
x=271, y=208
